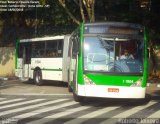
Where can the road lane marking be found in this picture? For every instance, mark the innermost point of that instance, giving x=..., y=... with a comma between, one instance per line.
x=46, y=109
x=12, y=100
x=58, y=115
x=30, y=107
x=90, y=115
x=2, y=99
x=133, y=110
x=21, y=103
x=155, y=115
x=129, y=112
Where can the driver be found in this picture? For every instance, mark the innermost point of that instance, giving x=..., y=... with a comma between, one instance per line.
x=126, y=55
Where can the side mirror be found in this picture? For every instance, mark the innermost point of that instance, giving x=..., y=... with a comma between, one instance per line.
x=148, y=53
x=77, y=49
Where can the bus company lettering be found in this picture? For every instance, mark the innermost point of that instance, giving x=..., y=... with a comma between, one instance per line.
x=37, y=61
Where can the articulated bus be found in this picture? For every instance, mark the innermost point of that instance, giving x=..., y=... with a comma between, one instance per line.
x=42, y=58
x=108, y=60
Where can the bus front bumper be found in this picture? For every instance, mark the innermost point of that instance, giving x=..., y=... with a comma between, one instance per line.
x=111, y=91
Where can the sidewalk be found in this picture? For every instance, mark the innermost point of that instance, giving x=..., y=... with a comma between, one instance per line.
x=153, y=88
x=19, y=87
x=8, y=78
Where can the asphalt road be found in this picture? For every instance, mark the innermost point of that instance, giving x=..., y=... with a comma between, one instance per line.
x=24, y=102
x=28, y=87
x=58, y=109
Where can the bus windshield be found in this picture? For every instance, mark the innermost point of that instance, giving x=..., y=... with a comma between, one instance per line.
x=113, y=54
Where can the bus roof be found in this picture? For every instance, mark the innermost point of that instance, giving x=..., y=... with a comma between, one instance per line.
x=43, y=38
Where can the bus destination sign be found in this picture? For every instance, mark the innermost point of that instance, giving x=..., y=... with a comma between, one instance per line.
x=111, y=30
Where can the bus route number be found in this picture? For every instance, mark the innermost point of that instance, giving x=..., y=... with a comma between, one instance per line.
x=128, y=81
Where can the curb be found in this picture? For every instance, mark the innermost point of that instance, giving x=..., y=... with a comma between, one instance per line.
x=8, y=78
x=153, y=85
x=3, y=78
x=155, y=96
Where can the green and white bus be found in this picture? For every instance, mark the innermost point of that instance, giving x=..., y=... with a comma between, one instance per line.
x=42, y=58
x=97, y=68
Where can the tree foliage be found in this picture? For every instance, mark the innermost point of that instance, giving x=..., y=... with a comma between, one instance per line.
x=71, y=12
x=84, y=6
x=62, y=13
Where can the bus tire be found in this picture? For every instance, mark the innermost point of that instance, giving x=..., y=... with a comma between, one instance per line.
x=77, y=98
x=38, y=77
x=69, y=86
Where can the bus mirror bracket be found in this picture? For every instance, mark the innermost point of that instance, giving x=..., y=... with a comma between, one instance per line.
x=148, y=53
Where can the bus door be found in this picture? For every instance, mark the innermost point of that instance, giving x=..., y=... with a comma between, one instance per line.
x=65, y=61
x=26, y=61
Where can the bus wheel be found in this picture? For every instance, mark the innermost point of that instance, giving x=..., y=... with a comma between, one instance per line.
x=38, y=77
x=77, y=98
x=69, y=86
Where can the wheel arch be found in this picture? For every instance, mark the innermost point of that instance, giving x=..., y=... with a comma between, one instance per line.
x=37, y=68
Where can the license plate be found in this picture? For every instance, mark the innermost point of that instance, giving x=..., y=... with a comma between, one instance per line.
x=113, y=90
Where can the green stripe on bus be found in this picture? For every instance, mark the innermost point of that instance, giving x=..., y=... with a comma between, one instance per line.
x=80, y=66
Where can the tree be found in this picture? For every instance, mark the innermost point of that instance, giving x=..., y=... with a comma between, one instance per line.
x=87, y=4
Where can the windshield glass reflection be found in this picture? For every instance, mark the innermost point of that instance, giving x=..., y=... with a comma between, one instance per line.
x=113, y=55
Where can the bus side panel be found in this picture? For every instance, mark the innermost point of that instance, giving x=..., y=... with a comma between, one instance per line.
x=52, y=75
x=22, y=71
x=18, y=72
x=31, y=73
x=65, y=62
x=26, y=70
x=51, y=67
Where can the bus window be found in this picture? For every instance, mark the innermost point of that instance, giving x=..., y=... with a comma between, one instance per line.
x=27, y=53
x=105, y=54
x=60, y=48
x=38, y=49
x=54, y=48
x=24, y=51
x=20, y=49
x=75, y=43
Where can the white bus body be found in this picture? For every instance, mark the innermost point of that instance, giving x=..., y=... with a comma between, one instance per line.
x=51, y=64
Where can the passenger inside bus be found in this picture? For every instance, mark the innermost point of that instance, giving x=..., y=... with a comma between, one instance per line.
x=126, y=55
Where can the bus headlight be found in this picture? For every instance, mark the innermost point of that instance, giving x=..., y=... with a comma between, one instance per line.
x=137, y=83
x=87, y=80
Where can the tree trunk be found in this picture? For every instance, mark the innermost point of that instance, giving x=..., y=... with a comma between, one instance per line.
x=81, y=9
x=93, y=16
x=89, y=5
x=62, y=2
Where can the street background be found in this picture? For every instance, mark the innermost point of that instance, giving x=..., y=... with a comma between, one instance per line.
x=15, y=86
